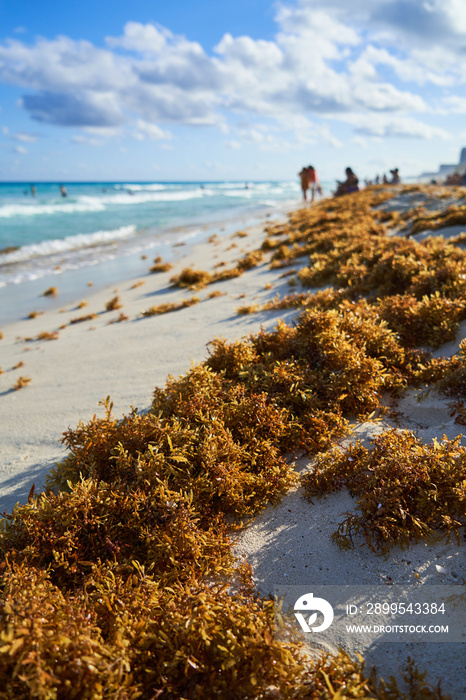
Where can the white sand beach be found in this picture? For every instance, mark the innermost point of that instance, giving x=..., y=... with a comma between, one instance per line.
x=88, y=361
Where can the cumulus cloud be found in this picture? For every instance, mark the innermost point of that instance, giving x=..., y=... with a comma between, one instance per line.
x=407, y=69
x=63, y=65
x=396, y=126
x=330, y=59
x=142, y=38
x=146, y=130
x=74, y=110
x=428, y=34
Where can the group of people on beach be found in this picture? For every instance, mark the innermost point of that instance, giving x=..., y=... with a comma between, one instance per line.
x=310, y=182
x=385, y=180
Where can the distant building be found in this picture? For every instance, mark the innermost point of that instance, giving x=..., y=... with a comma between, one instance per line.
x=447, y=169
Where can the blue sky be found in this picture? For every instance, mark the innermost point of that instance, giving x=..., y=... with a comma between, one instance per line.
x=247, y=90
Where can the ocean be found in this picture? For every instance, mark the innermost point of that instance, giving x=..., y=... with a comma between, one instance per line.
x=44, y=234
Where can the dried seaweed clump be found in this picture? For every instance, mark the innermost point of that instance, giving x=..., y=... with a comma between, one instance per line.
x=250, y=260
x=405, y=490
x=69, y=534
x=119, y=319
x=48, y=335
x=82, y=319
x=247, y=309
x=197, y=442
x=50, y=292
x=161, y=267
x=170, y=306
x=138, y=640
x=191, y=278
x=447, y=373
x=21, y=383
x=333, y=363
x=452, y=216
x=114, y=304
x=431, y=321
x=197, y=279
x=379, y=266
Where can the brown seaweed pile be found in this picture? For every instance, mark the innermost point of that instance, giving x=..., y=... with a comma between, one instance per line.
x=168, y=307
x=118, y=582
x=405, y=490
x=198, y=279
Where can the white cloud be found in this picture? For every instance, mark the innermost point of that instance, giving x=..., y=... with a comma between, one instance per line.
x=146, y=130
x=63, y=65
x=407, y=69
x=66, y=109
x=427, y=34
x=330, y=59
x=86, y=140
x=395, y=126
x=255, y=54
x=142, y=38
x=21, y=149
x=385, y=97
x=24, y=137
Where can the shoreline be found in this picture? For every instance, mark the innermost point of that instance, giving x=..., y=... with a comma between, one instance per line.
x=19, y=299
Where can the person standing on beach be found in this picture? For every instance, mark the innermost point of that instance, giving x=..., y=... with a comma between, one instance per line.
x=309, y=180
x=304, y=175
x=314, y=184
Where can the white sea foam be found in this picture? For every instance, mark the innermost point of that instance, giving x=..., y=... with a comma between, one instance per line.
x=83, y=204
x=90, y=203
x=141, y=188
x=247, y=194
x=66, y=245
x=127, y=199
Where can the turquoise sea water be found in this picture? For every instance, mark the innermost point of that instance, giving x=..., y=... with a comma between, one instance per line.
x=45, y=233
